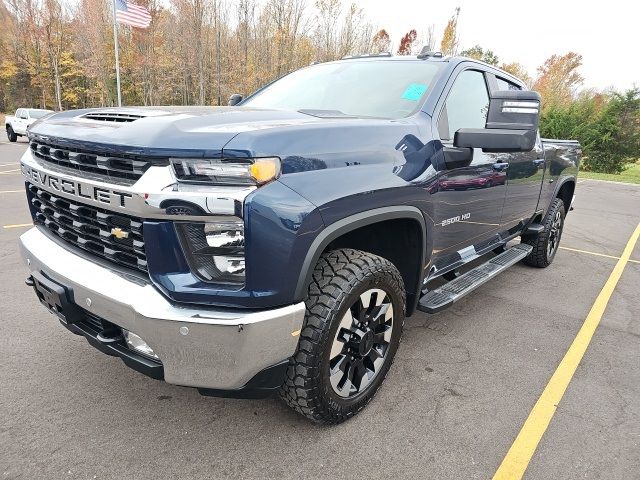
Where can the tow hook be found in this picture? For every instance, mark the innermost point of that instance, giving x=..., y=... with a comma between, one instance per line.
x=110, y=335
x=29, y=281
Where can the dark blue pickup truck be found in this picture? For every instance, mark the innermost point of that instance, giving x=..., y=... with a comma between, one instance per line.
x=277, y=244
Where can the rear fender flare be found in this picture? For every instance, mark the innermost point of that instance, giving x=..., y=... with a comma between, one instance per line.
x=559, y=185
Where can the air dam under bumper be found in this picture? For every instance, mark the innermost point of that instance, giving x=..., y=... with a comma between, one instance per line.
x=220, y=349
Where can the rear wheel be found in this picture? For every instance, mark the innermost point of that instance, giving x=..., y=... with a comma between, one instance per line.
x=11, y=135
x=545, y=244
x=352, y=328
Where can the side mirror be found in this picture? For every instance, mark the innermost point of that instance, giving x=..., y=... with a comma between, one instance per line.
x=457, y=157
x=234, y=99
x=512, y=124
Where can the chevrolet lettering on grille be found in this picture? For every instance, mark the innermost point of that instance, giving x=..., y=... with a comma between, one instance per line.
x=72, y=187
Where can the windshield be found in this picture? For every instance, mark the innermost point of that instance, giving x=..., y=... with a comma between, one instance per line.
x=38, y=113
x=381, y=89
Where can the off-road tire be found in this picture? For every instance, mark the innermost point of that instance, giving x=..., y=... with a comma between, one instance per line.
x=543, y=254
x=338, y=280
x=11, y=135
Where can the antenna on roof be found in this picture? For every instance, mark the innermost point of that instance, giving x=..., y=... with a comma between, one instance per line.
x=426, y=53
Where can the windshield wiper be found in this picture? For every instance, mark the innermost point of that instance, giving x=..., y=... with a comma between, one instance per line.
x=325, y=113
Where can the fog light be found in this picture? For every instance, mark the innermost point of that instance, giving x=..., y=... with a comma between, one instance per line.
x=215, y=251
x=134, y=342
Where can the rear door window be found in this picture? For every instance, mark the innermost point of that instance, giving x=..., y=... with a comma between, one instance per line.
x=506, y=84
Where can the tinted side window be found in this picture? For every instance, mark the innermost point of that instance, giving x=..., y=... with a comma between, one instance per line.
x=466, y=105
x=506, y=85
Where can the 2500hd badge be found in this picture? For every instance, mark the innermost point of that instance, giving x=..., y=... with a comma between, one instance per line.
x=457, y=218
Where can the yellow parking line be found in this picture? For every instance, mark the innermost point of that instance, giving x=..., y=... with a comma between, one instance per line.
x=9, y=165
x=519, y=455
x=12, y=191
x=12, y=172
x=18, y=225
x=596, y=254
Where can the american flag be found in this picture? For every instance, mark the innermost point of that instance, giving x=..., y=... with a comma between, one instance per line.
x=131, y=14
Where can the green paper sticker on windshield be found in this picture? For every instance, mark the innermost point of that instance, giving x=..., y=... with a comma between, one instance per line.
x=414, y=92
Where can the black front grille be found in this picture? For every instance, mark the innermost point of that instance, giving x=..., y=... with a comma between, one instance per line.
x=121, y=168
x=90, y=228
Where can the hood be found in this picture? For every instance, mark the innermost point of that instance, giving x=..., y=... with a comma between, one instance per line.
x=303, y=142
x=158, y=130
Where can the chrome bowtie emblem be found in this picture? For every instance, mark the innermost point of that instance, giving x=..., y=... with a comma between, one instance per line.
x=119, y=233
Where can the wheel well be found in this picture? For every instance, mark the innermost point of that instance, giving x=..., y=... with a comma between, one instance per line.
x=399, y=241
x=566, y=194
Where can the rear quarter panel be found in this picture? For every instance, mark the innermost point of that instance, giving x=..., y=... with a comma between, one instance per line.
x=561, y=165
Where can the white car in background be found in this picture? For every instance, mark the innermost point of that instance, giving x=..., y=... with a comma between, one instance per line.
x=17, y=126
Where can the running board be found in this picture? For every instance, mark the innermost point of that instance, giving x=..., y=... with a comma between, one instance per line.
x=533, y=229
x=444, y=296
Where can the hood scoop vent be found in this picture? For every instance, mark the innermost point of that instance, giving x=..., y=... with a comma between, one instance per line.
x=118, y=117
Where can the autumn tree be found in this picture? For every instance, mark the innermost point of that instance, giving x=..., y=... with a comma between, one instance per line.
x=406, y=42
x=380, y=42
x=477, y=52
x=56, y=37
x=449, y=43
x=558, y=79
x=519, y=72
x=354, y=33
x=326, y=28
x=93, y=47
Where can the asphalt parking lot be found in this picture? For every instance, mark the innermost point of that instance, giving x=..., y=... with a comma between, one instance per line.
x=463, y=383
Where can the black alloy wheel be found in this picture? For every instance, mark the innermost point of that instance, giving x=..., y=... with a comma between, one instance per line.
x=545, y=244
x=361, y=343
x=355, y=309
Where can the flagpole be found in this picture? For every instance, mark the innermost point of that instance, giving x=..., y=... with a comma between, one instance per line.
x=115, y=44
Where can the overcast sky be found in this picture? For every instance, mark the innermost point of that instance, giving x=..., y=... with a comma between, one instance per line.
x=606, y=34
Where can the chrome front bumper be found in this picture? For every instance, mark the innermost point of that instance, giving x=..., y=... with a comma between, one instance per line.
x=219, y=348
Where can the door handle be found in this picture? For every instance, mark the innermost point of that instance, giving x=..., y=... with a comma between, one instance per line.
x=501, y=166
x=538, y=161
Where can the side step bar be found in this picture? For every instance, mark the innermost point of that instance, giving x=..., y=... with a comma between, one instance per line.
x=534, y=228
x=444, y=296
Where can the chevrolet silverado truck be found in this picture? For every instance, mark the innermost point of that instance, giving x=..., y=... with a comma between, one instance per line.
x=277, y=244
x=16, y=126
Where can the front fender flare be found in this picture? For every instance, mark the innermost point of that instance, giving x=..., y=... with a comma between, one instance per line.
x=353, y=222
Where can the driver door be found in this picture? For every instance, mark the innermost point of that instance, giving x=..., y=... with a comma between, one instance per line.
x=470, y=197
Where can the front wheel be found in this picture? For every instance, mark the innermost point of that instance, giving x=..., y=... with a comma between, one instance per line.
x=545, y=244
x=11, y=135
x=352, y=328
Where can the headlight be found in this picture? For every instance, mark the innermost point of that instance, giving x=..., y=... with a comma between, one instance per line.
x=214, y=251
x=223, y=171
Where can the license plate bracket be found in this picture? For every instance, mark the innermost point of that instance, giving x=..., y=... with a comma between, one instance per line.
x=57, y=298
